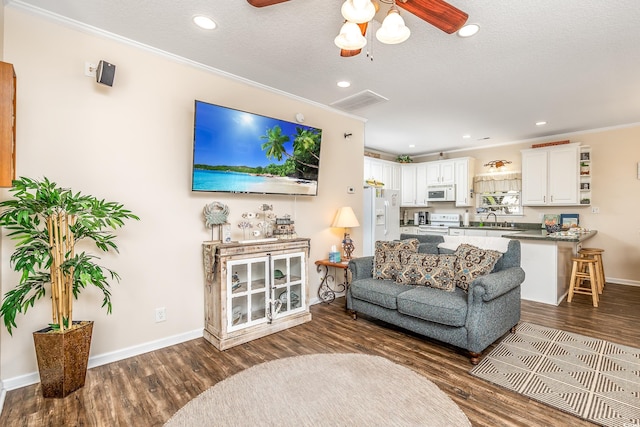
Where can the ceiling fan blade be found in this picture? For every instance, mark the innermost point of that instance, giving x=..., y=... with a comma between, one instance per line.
x=438, y=13
x=349, y=53
x=263, y=3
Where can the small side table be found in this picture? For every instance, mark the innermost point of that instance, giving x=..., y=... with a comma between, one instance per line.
x=325, y=292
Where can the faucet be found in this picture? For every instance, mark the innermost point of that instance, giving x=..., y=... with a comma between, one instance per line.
x=495, y=218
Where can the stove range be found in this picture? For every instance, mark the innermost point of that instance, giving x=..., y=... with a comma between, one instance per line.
x=439, y=224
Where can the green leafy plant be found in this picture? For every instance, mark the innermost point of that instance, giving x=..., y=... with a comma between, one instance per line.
x=46, y=222
x=404, y=159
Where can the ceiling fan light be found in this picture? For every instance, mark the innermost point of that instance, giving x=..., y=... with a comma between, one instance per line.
x=393, y=29
x=350, y=37
x=358, y=11
x=469, y=30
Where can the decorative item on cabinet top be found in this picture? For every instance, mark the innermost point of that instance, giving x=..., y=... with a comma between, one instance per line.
x=496, y=165
x=374, y=183
x=215, y=215
x=550, y=144
x=404, y=159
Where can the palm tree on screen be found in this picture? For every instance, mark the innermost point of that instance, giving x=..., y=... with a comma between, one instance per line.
x=305, y=144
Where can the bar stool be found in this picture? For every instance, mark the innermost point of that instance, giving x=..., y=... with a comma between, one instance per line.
x=596, y=253
x=584, y=269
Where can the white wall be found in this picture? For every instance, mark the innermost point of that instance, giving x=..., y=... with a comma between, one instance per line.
x=133, y=143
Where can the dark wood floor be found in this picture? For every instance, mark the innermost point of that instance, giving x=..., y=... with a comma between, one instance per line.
x=146, y=390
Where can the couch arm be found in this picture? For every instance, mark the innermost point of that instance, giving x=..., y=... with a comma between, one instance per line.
x=491, y=286
x=361, y=268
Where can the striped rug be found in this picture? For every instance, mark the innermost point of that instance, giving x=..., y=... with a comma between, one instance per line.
x=593, y=379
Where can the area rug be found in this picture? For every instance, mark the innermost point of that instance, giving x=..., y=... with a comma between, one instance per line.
x=593, y=379
x=323, y=390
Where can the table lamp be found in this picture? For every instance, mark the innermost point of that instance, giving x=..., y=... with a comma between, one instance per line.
x=345, y=218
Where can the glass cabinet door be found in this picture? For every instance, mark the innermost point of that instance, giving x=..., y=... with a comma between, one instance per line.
x=247, y=292
x=288, y=272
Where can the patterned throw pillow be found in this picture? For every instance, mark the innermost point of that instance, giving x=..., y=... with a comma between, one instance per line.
x=390, y=256
x=473, y=262
x=436, y=271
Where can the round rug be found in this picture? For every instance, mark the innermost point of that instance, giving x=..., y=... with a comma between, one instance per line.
x=323, y=389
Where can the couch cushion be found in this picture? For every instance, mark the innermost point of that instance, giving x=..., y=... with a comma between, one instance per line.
x=428, y=248
x=437, y=271
x=434, y=305
x=473, y=262
x=390, y=256
x=379, y=292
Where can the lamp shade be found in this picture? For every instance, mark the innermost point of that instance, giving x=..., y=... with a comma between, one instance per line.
x=350, y=37
x=393, y=29
x=358, y=11
x=345, y=218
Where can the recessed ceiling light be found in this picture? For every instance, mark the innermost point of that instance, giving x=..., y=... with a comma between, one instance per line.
x=466, y=136
x=412, y=145
x=344, y=83
x=469, y=30
x=541, y=123
x=204, y=22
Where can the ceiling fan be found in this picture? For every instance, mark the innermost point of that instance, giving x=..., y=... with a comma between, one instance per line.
x=438, y=13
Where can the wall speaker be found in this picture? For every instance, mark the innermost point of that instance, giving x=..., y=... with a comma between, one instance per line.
x=105, y=73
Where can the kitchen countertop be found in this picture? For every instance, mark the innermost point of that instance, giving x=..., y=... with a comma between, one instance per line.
x=527, y=231
x=491, y=227
x=541, y=235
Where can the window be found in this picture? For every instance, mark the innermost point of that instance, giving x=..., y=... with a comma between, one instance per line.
x=501, y=203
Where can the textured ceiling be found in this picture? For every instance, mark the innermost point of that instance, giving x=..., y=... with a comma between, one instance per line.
x=573, y=63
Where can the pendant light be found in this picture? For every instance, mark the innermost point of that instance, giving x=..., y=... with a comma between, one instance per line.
x=393, y=29
x=350, y=37
x=358, y=11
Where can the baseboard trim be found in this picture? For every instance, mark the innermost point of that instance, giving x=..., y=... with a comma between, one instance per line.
x=3, y=393
x=102, y=359
x=622, y=281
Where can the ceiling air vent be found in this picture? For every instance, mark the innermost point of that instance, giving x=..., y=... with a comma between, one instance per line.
x=359, y=100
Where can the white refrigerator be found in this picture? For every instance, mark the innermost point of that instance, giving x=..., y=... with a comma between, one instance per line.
x=381, y=217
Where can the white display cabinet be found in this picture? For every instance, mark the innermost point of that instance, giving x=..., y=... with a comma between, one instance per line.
x=254, y=289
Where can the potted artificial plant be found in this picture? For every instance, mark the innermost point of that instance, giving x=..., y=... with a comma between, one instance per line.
x=46, y=222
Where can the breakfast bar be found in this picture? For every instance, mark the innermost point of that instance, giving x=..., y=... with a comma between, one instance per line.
x=546, y=260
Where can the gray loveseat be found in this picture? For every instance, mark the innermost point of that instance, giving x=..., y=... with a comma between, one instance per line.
x=471, y=320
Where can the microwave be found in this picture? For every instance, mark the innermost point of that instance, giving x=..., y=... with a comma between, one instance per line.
x=441, y=193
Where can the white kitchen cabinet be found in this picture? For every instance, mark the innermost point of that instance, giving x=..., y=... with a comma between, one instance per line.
x=551, y=176
x=464, y=170
x=441, y=172
x=480, y=232
x=408, y=230
x=500, y=233
x=475, y=232
x=414, y=184
x=382, y=171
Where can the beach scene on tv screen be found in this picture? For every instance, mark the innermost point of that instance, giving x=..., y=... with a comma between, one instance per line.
x=236, y=151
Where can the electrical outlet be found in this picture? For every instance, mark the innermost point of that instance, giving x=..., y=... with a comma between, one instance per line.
x=161, y=314
x=90, y=69
x=595, y=210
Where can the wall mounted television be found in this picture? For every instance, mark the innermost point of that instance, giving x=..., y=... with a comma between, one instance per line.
x=240, y=152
